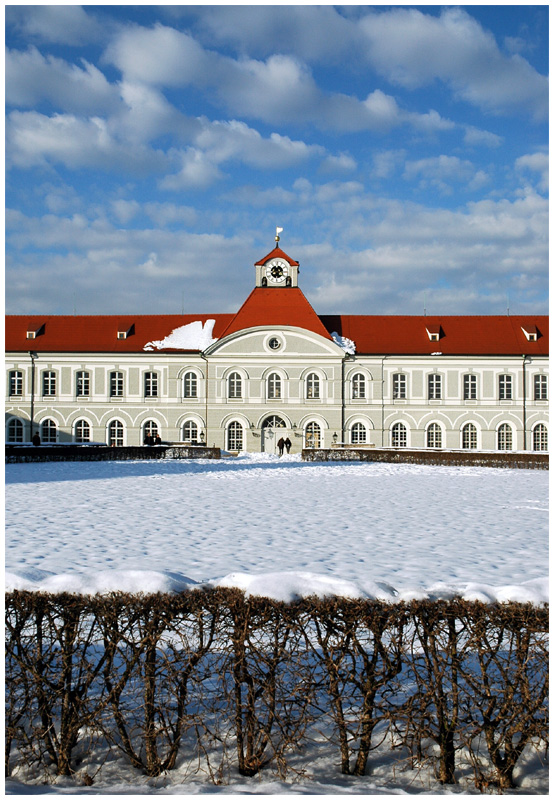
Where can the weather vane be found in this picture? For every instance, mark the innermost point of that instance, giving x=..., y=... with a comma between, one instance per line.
x=277, y=232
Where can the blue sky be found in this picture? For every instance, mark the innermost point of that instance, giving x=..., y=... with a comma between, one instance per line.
x=151, y=151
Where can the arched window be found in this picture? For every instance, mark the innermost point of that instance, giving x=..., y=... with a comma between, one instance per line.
x=358, y=386
x=358, y=434
x=16, y=383
x=49, y=431
x=82, y=384
x=15, y=430
x=190, y=385
x=116, y=384
x=434, y=435
x=150, y=384
x=469, y=436
x=150, y=428
x=115, y=433
x=82, y=431
x=312, y=386
x=274, y=386
x=540, y=437
x=190, y=432
x=504, y=437
x=48, y=383
x=399, y=435
x=234, y=436
x=313, y=435
x=235, y=385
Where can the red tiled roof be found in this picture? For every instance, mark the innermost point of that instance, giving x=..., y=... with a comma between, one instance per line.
x=494, y=335
x=277, y=307
x=98, y=334
x=277, y=253
x=373, y=335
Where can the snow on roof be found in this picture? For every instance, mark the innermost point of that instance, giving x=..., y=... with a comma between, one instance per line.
x=193, y=336
x=345, y=344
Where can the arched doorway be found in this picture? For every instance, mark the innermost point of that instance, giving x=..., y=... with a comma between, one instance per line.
x=273, y=428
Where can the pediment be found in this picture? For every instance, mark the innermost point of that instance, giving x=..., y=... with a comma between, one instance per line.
x=277, y=343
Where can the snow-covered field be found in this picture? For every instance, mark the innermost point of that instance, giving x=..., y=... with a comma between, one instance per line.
x=371, y=529
x=376, y=530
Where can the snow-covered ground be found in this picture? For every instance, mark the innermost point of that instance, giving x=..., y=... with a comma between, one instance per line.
x=376, y=530
x=379, y=530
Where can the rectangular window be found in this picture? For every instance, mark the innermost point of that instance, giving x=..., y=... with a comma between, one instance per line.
x=541, y=387
x=48, y=384
x=151, y=384
x=116, y=384
x=470, y=387
x=82, y=388
x=16, y=383
x=399, y=387
x=505, y=387
x=434, y=384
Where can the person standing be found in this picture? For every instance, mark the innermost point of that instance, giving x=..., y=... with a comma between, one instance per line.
x=281, y=446
x=36, y=440
x=288, y=444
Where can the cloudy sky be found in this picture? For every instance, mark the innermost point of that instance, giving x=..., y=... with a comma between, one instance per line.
x=153, y=150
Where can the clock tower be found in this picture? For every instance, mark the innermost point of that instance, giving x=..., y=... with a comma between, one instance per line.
x=277, y=269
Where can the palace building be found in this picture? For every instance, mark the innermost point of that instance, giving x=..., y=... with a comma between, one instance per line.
x=278, y=368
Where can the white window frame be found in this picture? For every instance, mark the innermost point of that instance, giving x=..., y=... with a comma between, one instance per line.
x=235, y=436
x=359, y=386
x=151, y=384
x=505, y=387
x=80, y=433
x=15, y=378
x=116, y=383
x=48, y=383
x=399, y=434
x=434, y=386
x=540, y=387
x=46, y=426
x=504, y=437
x=540, y=437
x=358, y=433
x=190, y=385
x=469, y=436
x=234, y=386
x=15, y=431
x=470, y=386
x=193, y=430
x=150, y=427
x=434, y=436
x=312, y=435
x=274, y=386
x=313, y=386
x=399, y=386
x=119, y=437
x=82, y=383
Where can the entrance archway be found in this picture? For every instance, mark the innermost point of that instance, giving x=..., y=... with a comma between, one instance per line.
x=273, y=428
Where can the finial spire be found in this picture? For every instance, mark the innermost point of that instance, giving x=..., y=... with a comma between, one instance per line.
x=277, y=232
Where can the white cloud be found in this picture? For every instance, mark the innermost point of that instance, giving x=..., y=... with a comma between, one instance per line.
x=34, y=139
x=413, y=49
x=474, y=137
x=57, y=24
x=441, y=171
x=536, y=164
x=197, y=171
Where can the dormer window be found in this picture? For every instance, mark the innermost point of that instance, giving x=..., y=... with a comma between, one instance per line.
x=124, y=334
x=434, y=332
x=531, y=332
x=32, y=334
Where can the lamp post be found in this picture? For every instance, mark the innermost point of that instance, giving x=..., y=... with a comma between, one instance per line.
x=335, y=437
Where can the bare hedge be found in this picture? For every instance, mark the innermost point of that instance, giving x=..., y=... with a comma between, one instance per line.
x=239, y=684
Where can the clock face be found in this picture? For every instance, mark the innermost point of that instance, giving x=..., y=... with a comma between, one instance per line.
x=276, y=270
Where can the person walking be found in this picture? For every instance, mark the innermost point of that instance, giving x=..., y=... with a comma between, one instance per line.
x=281, y=446
x=288, y=444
